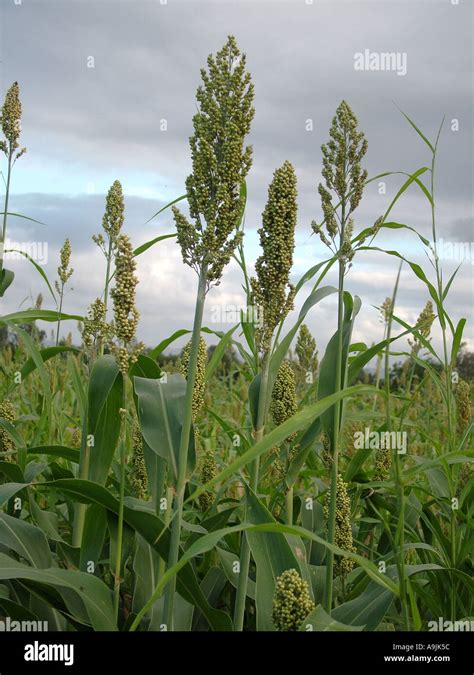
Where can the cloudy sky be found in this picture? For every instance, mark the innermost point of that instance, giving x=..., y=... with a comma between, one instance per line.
x=108, y=91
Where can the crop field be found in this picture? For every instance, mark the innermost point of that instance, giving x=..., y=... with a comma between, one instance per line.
x=249, y=480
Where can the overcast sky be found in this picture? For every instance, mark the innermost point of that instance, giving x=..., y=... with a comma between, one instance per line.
x=86, y=126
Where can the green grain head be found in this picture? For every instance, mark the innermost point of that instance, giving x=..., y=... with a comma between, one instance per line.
x=272, y=291
x=291, y=601
x=220, y=163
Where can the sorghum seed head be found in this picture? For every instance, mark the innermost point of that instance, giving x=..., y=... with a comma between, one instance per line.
x=463, y=405
x=291, y=601
x=272, y=291
x=383, y=463
x=64, y=273
x=342, y=173
x=306, y=351
x=466, y=474
x=208, y=472
x=114, y=212
x=220, y=163
x=96, y=329
x=138, y=474
x=284, y=403
x=423, y=326
x=126, y=315
x=7, y=411
x=343, y=535
x=199, y=378
x=386, y=310
x=11, y=119
x=76, y=438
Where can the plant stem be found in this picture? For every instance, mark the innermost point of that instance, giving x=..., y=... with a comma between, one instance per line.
x=239, y=610
x=60, y=312
x=335, y=441
x=106, y=291
x=447, y=372
x=166, y=521
x=400, y=533
x=289, y=506
x=184, y=446
x=80, y=509
x=5, y=209
x=118, y=553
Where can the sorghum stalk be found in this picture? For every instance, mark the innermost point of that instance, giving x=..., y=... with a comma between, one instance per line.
x=126, y=321
x=345, y=178
x=173, y=554
x=274, y=294
x=220, y=163
x=398, y=473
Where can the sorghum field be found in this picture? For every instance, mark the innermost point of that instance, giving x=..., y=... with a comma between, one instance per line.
x=248, y=482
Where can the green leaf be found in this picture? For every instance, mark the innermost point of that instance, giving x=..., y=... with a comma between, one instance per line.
x=6, y=279
x=29, y=315
x=420, y=134
x=71, y=454
x=327, y=379
x=26, y=540
x=95, y=526
x=275, y=437
x=45, y=355
x=161, y=410
x=319, y=620
x=144, y=247
x=218, y=353
x=273, y=555
x=175, y=201
x=165, y=343
x=368, y=609
x=105, y=401
x=151, y=528
x=86, y=597
x=38, y=268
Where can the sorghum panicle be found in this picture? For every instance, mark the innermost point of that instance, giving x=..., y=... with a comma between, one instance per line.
x=199, y=380
x=138, y=474
x=126, y=315
x=64, y=272
x=343, y=536
x=96, y=330
x=208, y=472
x=344, y=178
x=11, y=122
x=463, y=405
x=113, y=218
x=291, y=601
x=423, y=326
x=220, y=163
x=306, y=352
x=284, y=403
x=272, y=291
x=7, y=411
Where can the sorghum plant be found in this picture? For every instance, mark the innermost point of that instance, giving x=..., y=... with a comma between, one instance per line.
x=344, y=179
x=220, y=163
x=10, y=120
